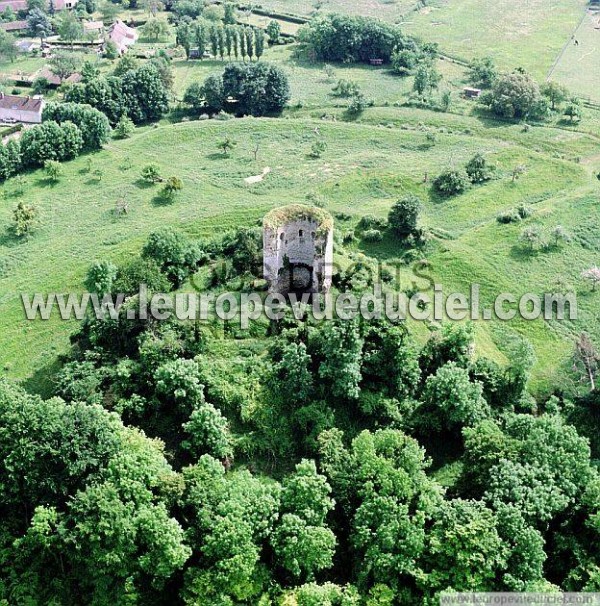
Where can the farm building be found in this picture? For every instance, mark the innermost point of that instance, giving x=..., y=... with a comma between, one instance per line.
x=14, y=26
x=122, y=35
x=471, y=93
x=54, y=80
x=15, y=5
x=93, y=27
x=26, y=46
x=14, y=108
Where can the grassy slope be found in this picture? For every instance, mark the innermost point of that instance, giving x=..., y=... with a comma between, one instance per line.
x=529, y=35
x=365, y=168
x=579, y=66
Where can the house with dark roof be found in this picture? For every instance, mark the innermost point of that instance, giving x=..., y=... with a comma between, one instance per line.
x=122, y=35
x=14, y=108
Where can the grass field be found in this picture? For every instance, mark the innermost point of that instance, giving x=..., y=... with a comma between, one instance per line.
x=368, y=164
x=579, y=66
x=310, y=85
x=389, y=10
x=530, y=35
x=365, y=168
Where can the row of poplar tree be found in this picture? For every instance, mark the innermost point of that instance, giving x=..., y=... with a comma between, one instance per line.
x=222, y=41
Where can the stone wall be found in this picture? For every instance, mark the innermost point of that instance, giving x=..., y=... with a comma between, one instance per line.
x=298, y=250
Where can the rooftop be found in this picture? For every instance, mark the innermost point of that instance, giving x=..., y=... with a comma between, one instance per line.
x=26, y=104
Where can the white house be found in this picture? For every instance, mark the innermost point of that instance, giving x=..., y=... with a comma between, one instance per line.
x=14, y=108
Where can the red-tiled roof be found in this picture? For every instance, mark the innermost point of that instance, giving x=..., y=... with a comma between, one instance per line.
x=13, y=26
x=24, y=104
x=122, y=35
x=16, y=5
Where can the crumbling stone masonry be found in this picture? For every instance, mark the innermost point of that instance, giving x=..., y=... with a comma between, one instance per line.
x=298, y=249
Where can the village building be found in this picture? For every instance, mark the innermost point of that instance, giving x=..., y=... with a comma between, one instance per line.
x=93, y=27
x=53, y=79
x=61, y=5
x=14, y=108
x=122, y=35
x=298, y=250
x=14, y=26
x=15, y=5
x=27, y=46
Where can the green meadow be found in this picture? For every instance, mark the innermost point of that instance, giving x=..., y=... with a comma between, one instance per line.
x=367, y=165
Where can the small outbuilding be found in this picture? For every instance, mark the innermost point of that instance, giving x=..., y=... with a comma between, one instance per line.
x=298, y=250
x=471, y=93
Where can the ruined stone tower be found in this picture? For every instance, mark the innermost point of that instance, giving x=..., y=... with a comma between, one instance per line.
x=298, y=249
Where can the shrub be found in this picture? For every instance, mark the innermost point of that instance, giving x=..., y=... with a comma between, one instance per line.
x=25, y=216
x=404, y=61
x=357, y=104
x=524, y=211
x=317, y=148
x=53, y=169
x=372, y=235
x=345, y=88
x=511, y=216
x=151, y=173
x=124, y=128
x=372, y=222
x=478, y=169
x=404, y=214
x=451, y=182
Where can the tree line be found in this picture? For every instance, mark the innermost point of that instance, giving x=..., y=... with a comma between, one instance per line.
x=299, y=471
x=231, y=41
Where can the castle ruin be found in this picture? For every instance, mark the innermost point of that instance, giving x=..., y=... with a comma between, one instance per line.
x=298, y=249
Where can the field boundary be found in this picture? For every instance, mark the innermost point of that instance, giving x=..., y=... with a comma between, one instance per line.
x=566, y=45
